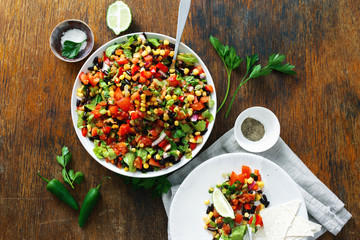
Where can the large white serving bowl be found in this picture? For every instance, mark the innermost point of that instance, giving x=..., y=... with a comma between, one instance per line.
x=89, y=145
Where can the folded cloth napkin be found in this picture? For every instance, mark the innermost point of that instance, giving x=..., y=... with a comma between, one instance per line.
x=323, y=206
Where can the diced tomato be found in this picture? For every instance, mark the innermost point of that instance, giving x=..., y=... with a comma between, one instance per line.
x=226, y=228
x=209, y=88
x=154, y=163
x=153, y=69
x=135, y=60
x=118, y=94
x=148, y=58
x=235, y=201
x=124, y=104
x=258, y=220
x=135, y=95
x=106, y=129
x=113, y=109
x=134, y=115
x=119, y=148
x=238, y=218
x=192, y=145
x=241, y=178
x=163, y=143
x=135, y=77
x=94, y=131
x=103, y=137
x=96, y=113
x=199, y=68
x=84, y=131
x=134, y=69
x=142, y=79
x=250, y=220
x=216, y=214
x=197, y=106
x=122, y=61
x=94, y=81
x=246, y=171
x=157, y=75
x=154, y=132
x=173, y=82
x=233, y=178
x=162, y=67
x=146, y=141
x=255, y=187
x=138, y=162
x=257, y=173
x=120, y=72
x=181, y=98
x=99, y=74
x=124, y=129
x=146, y=74
x=247, y=206
x=204, y=99
x=84, y=79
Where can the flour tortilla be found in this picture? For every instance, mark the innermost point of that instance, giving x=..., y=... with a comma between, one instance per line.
x=277, y=219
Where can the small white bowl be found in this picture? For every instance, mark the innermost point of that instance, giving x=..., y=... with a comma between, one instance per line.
x=271, y=126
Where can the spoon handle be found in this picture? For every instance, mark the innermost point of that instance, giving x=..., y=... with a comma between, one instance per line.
x=184, y=8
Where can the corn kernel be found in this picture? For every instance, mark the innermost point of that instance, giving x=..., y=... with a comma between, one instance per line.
x=260, y=184
x=250, y=180
x=148, y=156
x=115, y=126
x=204, y=94
x=122, y=77
x=95, y=68
x=141, y=64
x=166, y=42
x=195, y=71
x=156, y=111
x=127, y=77
x=174, y=97
x=166, y=117
x=192, y=140
x=172, y=70
x=176, y=123
x=156, y=103
x=148, y=49
x=146, y=165
x=133, y=149
x=157, y=52
x=148, y=112
x=157, y=157
x=142, y=109
x=122, y=56
x=211, y=189
x=171, y=164
x=137, y=102
x=257, y=197
x=162, y=52
x=186, y=71
x=126, y=169
x=111, y=93
x=144, y=53
x=176, y=109
x=143, y=105
x=171, y=54
x=190, y=111
x=262, y=206
x=109, y=113
x=79, y=94
x=198, y=93
x=167, y=97
x=211, y=214
x=141, y=145
x=197, y=133
x=190, y=97
x=143, y=96
x=126, y=67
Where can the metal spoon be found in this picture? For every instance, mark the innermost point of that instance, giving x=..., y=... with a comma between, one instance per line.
x=184, y=8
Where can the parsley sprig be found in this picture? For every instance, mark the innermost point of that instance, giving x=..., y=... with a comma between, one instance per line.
x=233, y=61
x=69, y=177
x=253, y=71
x=230, y=60
x=71, y=49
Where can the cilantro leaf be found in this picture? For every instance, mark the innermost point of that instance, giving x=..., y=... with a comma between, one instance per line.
x=275, y=63
x=71, y=49
x=157, y=185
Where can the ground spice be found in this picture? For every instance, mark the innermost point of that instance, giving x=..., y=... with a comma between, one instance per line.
x=252, y=129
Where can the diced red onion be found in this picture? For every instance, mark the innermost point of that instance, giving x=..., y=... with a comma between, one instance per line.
x=147, y=64
x=194, y=117
x=167, y=147
x=251, y=185
x=162, y=73
x=159, y=140
x=142, y=37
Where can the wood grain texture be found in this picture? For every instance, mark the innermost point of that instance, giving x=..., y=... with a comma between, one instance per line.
x=318, y=108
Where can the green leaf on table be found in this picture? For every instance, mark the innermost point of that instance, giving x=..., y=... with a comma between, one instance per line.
x=250, y=61
x=79, y=177
x=71, y=175
x=258, y=71
x=275, y=63
x=71, y=49
x=66, y=177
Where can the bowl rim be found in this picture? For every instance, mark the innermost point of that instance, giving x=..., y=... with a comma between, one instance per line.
x=268, y=140
x=85, y=140
x=75, y=59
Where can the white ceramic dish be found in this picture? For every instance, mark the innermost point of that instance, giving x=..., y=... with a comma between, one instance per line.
x=188, y=209
x=271, y=125
x=89, y=146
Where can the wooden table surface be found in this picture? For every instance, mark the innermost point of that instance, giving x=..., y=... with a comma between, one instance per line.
x=318, y=109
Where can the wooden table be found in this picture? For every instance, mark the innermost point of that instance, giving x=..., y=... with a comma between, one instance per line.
x=318, y=108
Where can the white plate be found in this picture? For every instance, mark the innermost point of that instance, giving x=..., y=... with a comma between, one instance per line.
x=89, y=146
x=188, y=209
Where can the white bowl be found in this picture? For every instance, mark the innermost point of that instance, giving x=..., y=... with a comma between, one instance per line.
x=89, y=145
x=271, y=126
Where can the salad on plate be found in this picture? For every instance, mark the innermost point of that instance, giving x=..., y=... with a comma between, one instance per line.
x=141, y=113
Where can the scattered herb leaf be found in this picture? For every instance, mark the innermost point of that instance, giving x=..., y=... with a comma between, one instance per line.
x=71, y=49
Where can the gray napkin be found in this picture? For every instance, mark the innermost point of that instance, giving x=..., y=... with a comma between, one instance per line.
x=323, y=206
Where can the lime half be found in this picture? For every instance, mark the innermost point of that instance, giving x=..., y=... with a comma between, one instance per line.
x=118, y=17
x=221, y=205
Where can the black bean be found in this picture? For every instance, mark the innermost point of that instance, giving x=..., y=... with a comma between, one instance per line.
x=78, y=102
x=220, y=225
x=213, y=218
x=211, y=228
x=145, y=35
x=91, y=68
x=171, y=45
x=128, y=72
x=147, y=44
x=100, y=65
x=246, y=219
x=203, y=132
x=208, y=210
x=256, y=177
x=127, y=81
x=267, y=204
x=208, y=93
x=106, y=73
x=259, y=191
x=262, y=201
x=264, y=197
x=96, y=60
x=84, y=116
x=171, y=114
x=116, y=161
x=243, y=210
